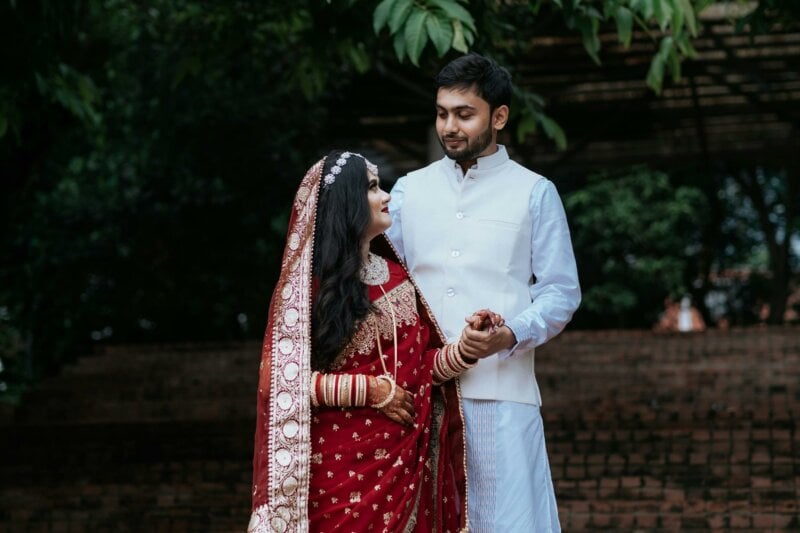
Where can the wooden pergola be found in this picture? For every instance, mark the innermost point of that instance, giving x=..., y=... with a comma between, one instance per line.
x=738, y=103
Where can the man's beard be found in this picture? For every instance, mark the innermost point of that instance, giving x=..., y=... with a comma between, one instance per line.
x=472, y=150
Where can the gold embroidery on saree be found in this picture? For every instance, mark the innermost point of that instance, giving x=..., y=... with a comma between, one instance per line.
x=403, y=299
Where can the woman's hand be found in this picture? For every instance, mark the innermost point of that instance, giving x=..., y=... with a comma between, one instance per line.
x=400, y=408
x=485, y=319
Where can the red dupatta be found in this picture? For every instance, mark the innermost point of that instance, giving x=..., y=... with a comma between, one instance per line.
x=281, y=460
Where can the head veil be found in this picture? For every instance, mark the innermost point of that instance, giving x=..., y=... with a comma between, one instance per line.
x=281, y=461
x=282, y=440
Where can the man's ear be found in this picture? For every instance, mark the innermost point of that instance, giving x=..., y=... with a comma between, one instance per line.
x=500, y=117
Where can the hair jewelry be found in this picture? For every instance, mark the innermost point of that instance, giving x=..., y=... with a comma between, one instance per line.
x=330, y=177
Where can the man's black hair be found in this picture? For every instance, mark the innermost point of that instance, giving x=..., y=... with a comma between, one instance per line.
x=472, y=71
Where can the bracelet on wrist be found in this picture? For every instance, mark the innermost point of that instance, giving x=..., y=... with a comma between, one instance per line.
x=390, y=396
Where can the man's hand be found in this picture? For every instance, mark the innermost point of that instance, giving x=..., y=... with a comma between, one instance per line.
x=485, y=334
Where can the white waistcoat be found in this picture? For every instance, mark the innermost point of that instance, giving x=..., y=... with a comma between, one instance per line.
x=468, y=245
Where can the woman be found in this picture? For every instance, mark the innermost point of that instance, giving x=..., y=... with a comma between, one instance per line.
x=352, y=432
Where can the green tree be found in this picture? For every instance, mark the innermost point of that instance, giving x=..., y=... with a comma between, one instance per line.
x=152, y=151
x=774, y=198
x=634, y=234
x=149, y=150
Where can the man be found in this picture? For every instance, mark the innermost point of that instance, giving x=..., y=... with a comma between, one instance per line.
x=478, y=230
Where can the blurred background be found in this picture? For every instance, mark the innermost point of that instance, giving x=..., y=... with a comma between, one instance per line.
x=149, y=152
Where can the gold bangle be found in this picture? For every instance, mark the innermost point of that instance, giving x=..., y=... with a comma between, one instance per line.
x=361, y=390
x=344, y=391
x=465, y=364
x=331, y=386
x=437, y=364
x=451, y=366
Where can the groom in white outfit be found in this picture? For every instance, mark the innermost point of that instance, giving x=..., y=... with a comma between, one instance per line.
x=478, y=230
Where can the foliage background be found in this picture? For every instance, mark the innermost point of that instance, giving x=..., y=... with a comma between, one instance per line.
x=149, y=152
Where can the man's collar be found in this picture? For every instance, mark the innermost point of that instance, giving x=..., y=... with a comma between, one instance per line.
x=486, y=162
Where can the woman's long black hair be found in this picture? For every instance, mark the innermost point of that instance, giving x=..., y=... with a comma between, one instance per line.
x=341, y=299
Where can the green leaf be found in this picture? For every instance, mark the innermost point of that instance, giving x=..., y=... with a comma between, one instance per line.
x=359, y=58
x=469, y=36
x=655, y=76
x=624, y=19
x=591, y=42
x=399, y=44
x=663, y=12
x=526, y=125
x=456, y=11
x=399, y=14
x=675, y=65
x=677, y=19
x=440, y=32
x=553, y=131
x=689, y=15
x=643, y=7
x=416, y=38
x=381, y=15
x=684, y=44
x=592, y=12
x=609, y=7
x=459, y=43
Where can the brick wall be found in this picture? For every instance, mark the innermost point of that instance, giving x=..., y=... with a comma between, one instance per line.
x=645, y=432
x=674, y=432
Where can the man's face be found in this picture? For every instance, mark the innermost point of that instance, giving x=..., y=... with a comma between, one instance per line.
x=466, y=127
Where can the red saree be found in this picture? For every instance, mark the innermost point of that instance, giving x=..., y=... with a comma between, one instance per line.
x=326, y=469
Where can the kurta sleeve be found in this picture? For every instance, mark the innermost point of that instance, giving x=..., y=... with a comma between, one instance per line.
x=555, y=291
x=395, y=232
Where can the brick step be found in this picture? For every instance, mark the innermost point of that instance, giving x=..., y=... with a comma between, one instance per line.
x=126, y=477
x=147, y=363
x=66, y=390
x=153, y=383
x=644, y=432
x=169, y=350
x=190, y=407
x=207, y=495
x=92, y=446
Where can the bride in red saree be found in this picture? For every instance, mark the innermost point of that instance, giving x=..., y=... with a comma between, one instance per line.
x=359, y=423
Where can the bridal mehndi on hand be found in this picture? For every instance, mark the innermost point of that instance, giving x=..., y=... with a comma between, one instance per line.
x=359, y=420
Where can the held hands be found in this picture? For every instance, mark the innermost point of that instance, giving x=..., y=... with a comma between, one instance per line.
x=485, y=334
x=400, y=408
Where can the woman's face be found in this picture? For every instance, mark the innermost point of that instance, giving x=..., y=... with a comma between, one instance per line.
x=378, y=200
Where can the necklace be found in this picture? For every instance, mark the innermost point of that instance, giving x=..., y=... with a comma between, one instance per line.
x=393, y=375
x=375, y=271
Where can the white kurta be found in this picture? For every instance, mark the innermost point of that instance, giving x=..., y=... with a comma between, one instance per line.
x=495, y=237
